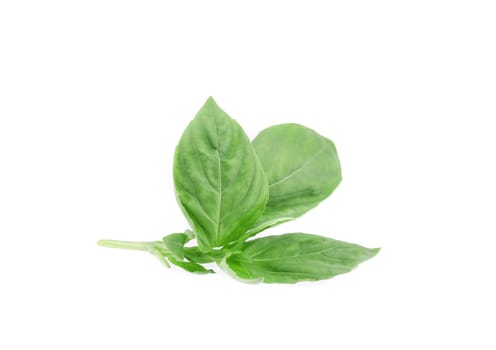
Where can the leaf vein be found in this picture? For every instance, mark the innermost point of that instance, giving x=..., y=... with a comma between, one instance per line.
x=219, y=198
x=296, y=171
x=300, y=255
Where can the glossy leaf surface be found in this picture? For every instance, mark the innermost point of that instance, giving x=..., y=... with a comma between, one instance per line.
x=220, y=183
x=302, y=168
x=294, y=257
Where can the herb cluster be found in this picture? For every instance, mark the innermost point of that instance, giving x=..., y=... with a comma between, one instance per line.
x=230, y=189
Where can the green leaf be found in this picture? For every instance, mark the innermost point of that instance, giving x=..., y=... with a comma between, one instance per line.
x=220, y=183
x=302, y=168
x=294, y=257
x=194, y=254
x=175, y=243
x=190, y=266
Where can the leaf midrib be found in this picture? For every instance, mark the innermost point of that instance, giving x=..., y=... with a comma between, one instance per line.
x=219, y=198
x=300, y=255
x=301, y=167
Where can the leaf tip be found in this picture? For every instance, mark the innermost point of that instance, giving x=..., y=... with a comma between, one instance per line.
x=210, y=100
x=374, y=252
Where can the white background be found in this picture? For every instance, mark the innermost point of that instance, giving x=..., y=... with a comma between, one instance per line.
x=94, y=96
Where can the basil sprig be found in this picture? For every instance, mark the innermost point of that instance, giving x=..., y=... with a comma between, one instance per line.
x=230, y=189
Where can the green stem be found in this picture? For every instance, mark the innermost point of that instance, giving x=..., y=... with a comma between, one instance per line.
x=123, y=244
x=157, y=249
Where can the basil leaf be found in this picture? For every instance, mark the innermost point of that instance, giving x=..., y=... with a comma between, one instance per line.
x=220, y=183
x=194, y=254
x=294, y=257
x=190, y=266
x=302, y=168
x=175, y=243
